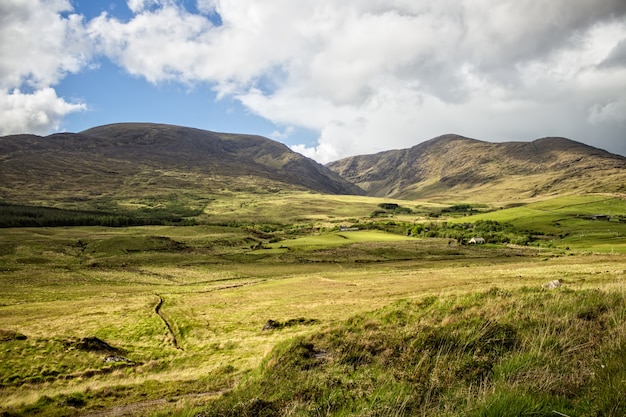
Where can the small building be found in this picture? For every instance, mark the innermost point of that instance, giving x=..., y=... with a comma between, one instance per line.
x=477, y=241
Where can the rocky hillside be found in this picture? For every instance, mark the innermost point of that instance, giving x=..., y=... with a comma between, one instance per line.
x=456, y=167
x=140, y=159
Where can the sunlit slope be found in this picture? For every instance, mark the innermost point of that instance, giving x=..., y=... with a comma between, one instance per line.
x=595, y=222
x=335, y=239
x=453, y=166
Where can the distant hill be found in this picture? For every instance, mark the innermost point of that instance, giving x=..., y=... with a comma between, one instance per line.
x=134, y=159
x=126, y=161
x=454, y=168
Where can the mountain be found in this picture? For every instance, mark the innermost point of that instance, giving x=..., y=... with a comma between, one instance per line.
x=130, y=159
x=455, y=167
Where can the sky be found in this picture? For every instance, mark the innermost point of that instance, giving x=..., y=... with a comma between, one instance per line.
x=329, y=78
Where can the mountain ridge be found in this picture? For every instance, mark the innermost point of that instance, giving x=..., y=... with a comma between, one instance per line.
x=123, y=158
x=453, y=164
x=130, y=159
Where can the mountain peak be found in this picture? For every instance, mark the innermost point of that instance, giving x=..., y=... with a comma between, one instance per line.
x=125, y=157
x=477, y=170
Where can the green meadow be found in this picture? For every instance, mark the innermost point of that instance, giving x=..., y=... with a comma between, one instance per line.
x=298, y=304
x=593, y=222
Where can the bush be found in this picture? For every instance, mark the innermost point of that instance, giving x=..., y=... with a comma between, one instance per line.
x=390, y=208
x=491, y=231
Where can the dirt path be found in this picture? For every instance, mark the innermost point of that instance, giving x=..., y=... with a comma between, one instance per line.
x=157, y=310
x=148, y=407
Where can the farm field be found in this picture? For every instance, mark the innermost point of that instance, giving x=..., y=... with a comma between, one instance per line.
x=196, y=320
x=590, y=222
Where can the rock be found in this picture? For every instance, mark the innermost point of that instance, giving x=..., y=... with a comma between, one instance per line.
x=552, y=284
x=321, y=354
x=116, y=359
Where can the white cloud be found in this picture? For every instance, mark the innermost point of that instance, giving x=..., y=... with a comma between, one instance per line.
x=38, y=47
x=37, y=113
x=282, y=135
x=171, y=44
x=374, y=80
x=158, y=45
x=614, y=112
x=138, y=6
x=206, y=6
x=370, y=75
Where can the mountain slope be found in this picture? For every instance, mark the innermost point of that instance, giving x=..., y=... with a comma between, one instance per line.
x=459, y=167
x=139, y=158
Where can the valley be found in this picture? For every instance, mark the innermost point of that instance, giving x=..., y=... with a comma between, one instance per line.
x=214, y=288
x=142, y=272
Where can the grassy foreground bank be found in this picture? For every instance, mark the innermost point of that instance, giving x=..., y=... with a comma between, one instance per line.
x=496, y=352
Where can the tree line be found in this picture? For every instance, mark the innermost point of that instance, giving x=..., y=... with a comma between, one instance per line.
x=490, y=230
x=31, y=216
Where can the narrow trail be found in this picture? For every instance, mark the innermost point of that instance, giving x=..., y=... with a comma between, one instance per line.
x=149, y=406
x=157, y=310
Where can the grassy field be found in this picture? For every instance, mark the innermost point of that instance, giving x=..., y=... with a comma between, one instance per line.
x=358, y=322
x=592, y=222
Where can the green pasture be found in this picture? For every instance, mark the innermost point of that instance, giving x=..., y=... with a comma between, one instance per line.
x=186, y=307
x=542, y=215
x=334, y=239
x=593, y=222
